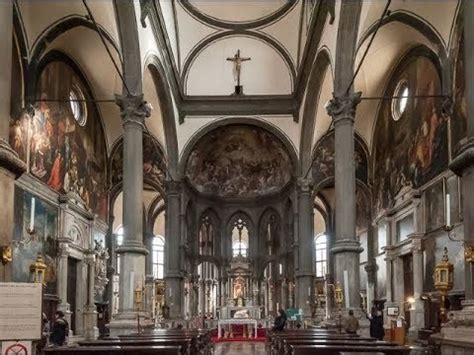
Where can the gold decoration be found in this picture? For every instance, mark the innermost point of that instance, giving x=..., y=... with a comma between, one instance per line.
x=338, y=295
x=444, y=280
x=469, y=253
x=38, y=270
x=6, y=254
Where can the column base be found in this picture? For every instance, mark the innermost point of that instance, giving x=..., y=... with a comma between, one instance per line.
x=127, y=323
x=91, y=332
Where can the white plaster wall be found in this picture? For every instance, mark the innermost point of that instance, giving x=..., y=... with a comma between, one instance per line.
x=191, y=31
x=168, y=15
x=286, y=31
x=212, y=74
x=238, y=11
x=155, y=122
x=439, y=13
x=323, y=120
x=37, y=15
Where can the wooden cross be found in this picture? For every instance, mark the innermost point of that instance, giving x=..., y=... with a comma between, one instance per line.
x=237, y=60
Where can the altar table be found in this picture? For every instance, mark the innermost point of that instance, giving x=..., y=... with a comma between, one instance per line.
x=239, y=321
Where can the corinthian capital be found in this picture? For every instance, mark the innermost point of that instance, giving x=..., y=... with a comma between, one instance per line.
x=133, y=108
x=340, y=107
x=304, y=184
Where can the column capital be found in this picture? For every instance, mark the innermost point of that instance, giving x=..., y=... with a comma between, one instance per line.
x=343, y=107
x=305, y=185
x=63, y=249
x=9, y=159
x=133, y=109
x=173, y=187
x=464, y=159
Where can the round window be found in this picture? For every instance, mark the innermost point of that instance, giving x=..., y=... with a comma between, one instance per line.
x=78, y=107
x=400, y=101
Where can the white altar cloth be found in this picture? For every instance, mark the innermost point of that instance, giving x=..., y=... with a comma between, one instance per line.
x=240, y=321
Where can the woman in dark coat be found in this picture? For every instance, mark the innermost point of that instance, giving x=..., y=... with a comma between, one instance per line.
x=280, y=321
x=60, y=330
x=376, y=325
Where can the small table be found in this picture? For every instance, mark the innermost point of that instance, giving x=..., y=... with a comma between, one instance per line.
x=231, y=321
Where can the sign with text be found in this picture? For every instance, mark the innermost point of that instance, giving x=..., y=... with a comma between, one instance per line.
x=20, y=311
x=16, y=348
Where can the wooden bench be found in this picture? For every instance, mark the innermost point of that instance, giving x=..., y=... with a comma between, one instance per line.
x=185, y=343
x=115, y=350
x=287, y=344
x=337, y=349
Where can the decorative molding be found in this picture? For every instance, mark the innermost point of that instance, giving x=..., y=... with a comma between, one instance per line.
x=9, y=159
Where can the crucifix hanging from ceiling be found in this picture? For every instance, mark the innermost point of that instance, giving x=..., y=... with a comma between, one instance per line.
x=237, y=61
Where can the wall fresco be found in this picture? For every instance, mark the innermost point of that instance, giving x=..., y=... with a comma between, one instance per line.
x=239, y=161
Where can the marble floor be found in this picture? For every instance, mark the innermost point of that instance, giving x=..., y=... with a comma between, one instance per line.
x=240, y=348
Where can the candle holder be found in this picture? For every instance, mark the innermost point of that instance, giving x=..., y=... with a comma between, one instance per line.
x=444, y=280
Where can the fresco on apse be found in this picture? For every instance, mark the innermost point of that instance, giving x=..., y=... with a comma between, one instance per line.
x=61, y=152
x=153, y=163
x=414, y=149
x=323, y=164
x=239, y=161
x=459, y=118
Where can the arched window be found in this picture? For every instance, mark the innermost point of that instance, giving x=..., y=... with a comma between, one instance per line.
x=240, y=238
x=78, y=108
x=158, y=250
x=206, y=236
x=320, y=245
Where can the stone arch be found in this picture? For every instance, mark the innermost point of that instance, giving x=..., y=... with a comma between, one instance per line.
x=312, y=101
x=235, y=121
x=167, y=111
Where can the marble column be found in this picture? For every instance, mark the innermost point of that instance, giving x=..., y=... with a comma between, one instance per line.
x=346, y=248
x=305, y=273
x=417, y=312
x=463, y=165
x=284, y=294
x=173, y=275
x=11, y=167
x=389, y=283
x=62, y=280
x=149, y=278
x=132, y=251
x=91, y=331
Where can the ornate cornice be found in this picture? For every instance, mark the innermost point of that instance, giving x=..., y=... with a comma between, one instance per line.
x=9, y=159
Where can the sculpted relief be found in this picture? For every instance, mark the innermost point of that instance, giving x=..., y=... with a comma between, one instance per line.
x=239, y=161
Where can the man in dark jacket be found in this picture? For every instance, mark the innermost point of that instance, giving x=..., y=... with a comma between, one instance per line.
x=280, y=321
x=60, y=330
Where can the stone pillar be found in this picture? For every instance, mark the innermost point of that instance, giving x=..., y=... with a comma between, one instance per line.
x=173, y=275
x=11, y=167
x=149, y=278
x=305, y=273
x=417, y=312
x=371, y=266
x=388, y=279
x=62, y=280
x=90, y=314
x=132, y=252
x=284, y=294
x=463, y=165
x=346, y=248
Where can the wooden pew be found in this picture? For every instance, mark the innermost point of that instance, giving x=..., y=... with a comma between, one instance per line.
x=185, y=343
x=337, y=349
x=288, y=343
x=114, y=350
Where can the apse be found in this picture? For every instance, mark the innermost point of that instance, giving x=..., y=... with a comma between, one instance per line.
x=239, y=161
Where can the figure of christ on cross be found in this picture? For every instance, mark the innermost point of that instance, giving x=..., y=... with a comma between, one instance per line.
x=237, y=60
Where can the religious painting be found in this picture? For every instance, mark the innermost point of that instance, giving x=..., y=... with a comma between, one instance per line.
x=453, y=188
x=459, y=117
x=63, y=143
x=435, y=206
x=35, y=232
x=153, y=163
x=362, y=211
x=324, y=160
x=410, y=148
x=239, y=161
